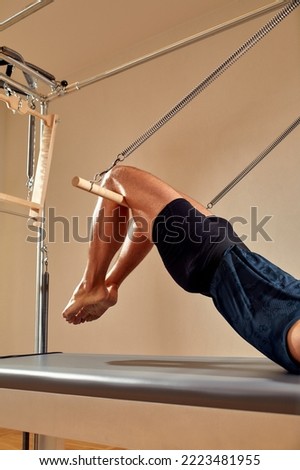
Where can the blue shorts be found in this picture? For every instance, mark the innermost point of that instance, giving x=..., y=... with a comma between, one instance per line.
x=191, y=244
x=259, y=300
x=204, y=255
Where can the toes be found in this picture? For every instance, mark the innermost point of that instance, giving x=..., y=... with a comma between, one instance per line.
x=70, y=310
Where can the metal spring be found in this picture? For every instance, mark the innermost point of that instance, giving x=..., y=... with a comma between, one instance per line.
x=31, y=155
x=253, y=164
x=260, y=34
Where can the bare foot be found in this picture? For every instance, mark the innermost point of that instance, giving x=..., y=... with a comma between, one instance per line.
x=88, y=306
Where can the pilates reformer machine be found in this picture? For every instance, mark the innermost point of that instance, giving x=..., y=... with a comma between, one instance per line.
x=240, y=384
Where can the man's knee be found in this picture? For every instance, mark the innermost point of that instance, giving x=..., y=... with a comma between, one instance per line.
x=293, y=341
x=120, y=175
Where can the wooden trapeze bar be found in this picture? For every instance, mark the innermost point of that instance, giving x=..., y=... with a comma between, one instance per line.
x=97, y=190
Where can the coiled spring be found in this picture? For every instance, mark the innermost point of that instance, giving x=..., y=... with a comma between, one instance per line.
x=253, y=164
x=232, y=59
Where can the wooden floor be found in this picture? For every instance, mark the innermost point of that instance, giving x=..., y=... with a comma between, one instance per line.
x=12, y=440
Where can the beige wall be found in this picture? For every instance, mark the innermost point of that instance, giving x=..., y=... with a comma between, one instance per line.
x=198, y=152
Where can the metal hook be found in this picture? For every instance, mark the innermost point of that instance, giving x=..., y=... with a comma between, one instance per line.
x=44, y=250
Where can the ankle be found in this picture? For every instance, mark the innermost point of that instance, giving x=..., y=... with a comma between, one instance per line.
x=293, y=341
x=112, y=281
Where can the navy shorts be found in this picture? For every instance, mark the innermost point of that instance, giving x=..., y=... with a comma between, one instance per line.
x=191, y=244
x=204, y=255
x=260, y=301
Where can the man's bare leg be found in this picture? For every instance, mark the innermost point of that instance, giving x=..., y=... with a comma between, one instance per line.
x=146, y=196
x=138, y=242
x=92, y=297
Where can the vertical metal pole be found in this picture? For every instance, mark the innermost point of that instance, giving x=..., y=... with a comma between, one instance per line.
x=30, y=177
x=42, y=280
x=42, y=286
